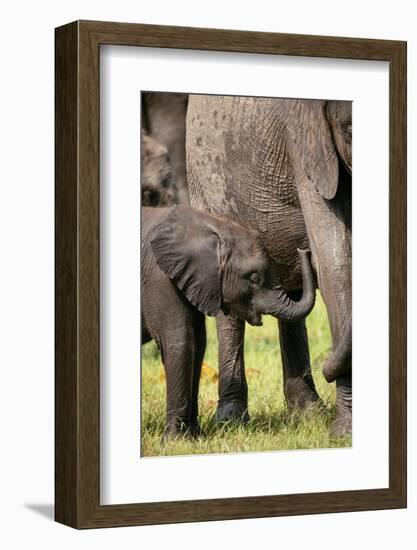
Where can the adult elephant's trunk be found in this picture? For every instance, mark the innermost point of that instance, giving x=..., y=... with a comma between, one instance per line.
x=278, y=304
x=339, y=362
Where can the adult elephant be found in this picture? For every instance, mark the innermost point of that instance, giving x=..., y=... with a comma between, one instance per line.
x=284, y=167
x=163, y=119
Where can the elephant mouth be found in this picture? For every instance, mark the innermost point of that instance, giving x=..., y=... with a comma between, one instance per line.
x=255, y=319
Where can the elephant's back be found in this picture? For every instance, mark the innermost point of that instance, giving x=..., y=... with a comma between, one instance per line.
x=238, y=166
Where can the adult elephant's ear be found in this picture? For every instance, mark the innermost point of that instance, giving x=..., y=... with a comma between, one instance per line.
x=339, y=115
x=187, y=250
x=314, y=149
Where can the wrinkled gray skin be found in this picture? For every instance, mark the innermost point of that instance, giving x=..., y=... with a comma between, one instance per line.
x=284, y=168
x=157, y=181
x=163, y=118
x=196, y=264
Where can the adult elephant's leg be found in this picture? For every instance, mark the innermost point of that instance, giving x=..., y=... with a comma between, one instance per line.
x=328, y=225
x=233, y=388
x=299, y=389
x=343, y=422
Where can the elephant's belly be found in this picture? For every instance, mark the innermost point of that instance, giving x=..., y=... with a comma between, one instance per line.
x=282, y=231
x=280, y=226
x=282, y=235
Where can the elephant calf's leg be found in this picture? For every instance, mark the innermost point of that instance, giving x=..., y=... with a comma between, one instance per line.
x=299, y=389
x=233, y=389
x=182, y=355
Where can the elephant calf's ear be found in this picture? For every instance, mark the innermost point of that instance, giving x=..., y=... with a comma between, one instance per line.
x=186, y=249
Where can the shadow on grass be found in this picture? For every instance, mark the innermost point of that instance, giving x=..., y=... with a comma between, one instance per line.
x=273, y=423
x=280, y=431
x=263, y=423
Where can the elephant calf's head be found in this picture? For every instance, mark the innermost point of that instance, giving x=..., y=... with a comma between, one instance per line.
x=221, y=265
x=158, y=181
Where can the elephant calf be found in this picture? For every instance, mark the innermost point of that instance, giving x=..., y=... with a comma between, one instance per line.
x=196, y=264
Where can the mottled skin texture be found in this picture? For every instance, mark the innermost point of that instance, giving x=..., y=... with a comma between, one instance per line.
x=282, y=167
x=163, y=118
x=157, y=182
x=194, y=263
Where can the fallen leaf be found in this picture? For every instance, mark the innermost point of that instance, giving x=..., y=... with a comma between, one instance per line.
x=252, y=372
x=209, y=404
x=209, y=373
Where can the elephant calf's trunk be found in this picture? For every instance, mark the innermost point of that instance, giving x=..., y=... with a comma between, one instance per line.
x=289, y=310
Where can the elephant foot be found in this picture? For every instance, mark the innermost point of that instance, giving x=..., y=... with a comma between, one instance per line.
x=301, y=394
x=341, y=425
x=177, y=429
x=232, y=411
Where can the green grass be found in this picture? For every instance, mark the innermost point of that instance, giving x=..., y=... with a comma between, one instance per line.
x=271, y=426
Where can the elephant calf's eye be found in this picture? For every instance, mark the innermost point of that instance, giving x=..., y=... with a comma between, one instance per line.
x=254, y=278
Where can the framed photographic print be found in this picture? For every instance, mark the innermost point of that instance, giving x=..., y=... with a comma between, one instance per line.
x=230, y=274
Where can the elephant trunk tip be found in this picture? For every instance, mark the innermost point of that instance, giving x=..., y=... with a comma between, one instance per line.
x=304, y=254
x=340, y=360
x=333, y=369
x=330, y=372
